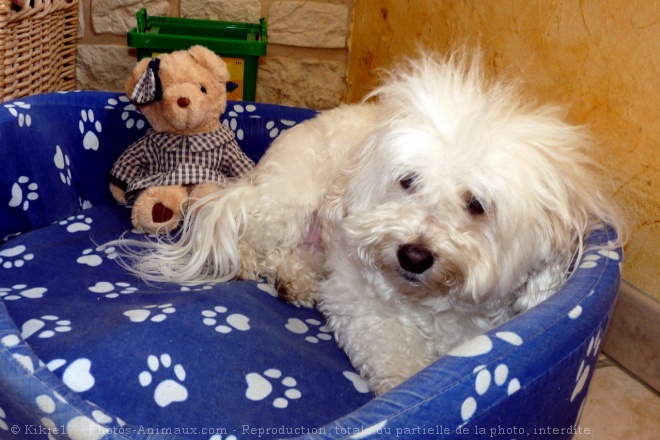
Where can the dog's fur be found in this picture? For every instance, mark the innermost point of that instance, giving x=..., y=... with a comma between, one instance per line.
x=415, y=222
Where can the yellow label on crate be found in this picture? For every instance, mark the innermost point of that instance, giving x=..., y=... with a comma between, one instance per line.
x=236, y=68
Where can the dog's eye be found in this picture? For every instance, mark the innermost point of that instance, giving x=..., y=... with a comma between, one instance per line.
x=474, y=205
x=408, y=181
x=203, y=89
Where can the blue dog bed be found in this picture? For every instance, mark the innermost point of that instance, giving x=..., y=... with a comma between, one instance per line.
x=88, y=351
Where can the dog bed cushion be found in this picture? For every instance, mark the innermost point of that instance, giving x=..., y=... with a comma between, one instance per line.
x=89, y=351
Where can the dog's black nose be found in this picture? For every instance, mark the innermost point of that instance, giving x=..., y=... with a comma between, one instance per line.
x=415, y=258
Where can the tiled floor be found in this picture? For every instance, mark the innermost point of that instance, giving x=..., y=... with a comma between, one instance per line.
x=619, y=407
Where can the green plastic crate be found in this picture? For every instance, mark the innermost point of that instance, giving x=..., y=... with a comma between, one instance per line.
x=239, y=44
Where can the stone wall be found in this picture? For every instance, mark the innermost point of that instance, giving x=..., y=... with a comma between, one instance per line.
x=307, y=54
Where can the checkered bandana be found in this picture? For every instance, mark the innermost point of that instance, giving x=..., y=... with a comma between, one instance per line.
x=148, y=88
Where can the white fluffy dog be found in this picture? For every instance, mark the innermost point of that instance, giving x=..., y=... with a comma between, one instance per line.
x=415, y=222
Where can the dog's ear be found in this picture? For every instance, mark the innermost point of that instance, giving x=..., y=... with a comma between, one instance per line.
x=334, y=209
x=550, y=274
x=356, y=186
x=574, y=205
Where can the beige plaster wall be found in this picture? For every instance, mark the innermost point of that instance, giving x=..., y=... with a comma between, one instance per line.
x=601, y=59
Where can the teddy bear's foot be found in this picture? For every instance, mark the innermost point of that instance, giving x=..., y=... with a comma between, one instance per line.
x=161, y=213
x=157, y=210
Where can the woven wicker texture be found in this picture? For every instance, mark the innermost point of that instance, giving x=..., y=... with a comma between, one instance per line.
x=37, y=47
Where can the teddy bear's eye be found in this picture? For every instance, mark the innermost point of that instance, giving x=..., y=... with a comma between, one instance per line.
x=203, y=89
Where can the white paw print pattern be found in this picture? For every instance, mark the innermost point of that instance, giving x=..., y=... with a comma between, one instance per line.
x=23, y=192
x=112, y=290
x=260, y=387
x=19, y=291
x=235, y=320
x=89, y=128
x=585, y=368
x=79, y=426
x=219, y=437
x=268, y=288
x=169, y=390
x=478, y=346
x=18, y=110
x=48, y=405
x=77, y=223
x=77, y=375
x=94, y=257
x=197, y=287
x=591, y=261
x=482, y=383
x=40, y=327
x=129, y=114
x=577, y=310
x=273, y=131
x=360, y=385
x=3, y=420
x=63, y=163
x=300, y=327
x=377, y=429
x=14, y=257
x=482, y=344
x=13, y=340
x=232, y=122
x=159, y=313
x=10, y=341
x=25, y=361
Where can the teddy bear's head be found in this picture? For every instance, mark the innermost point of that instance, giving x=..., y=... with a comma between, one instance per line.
x=188, y=90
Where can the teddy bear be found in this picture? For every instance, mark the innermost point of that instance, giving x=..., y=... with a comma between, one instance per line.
x=187, y=153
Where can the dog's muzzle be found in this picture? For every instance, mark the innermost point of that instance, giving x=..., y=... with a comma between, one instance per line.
x=415, y=258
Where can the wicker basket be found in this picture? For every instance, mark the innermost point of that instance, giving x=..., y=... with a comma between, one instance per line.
x=37, y=47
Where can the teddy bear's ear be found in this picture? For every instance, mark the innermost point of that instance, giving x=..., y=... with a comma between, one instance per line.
x=138, y=71
x=210, y=61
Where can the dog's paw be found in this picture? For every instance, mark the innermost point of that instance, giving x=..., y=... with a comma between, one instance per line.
x=381, y=386
x=308, y=303
x=294, y=293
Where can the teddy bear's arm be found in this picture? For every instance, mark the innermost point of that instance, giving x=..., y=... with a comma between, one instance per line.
x=131, y=165
x=235, y=163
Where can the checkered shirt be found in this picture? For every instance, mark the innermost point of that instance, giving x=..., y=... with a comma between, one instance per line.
x=159, y=159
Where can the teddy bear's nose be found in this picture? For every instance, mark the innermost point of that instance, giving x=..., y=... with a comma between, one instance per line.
x=183, y=102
